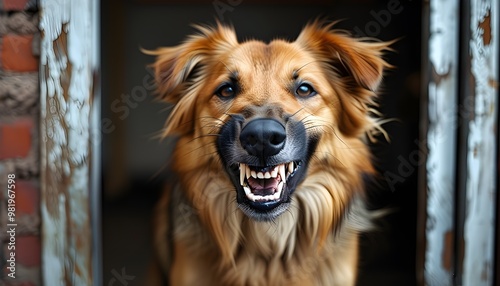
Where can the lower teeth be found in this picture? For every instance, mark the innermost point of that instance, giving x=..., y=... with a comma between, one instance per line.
x=282, y=171
x=251, y=196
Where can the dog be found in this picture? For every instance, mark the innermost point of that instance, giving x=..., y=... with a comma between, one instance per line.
x=271, y=159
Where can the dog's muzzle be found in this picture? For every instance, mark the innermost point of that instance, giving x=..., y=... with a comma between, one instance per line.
x=265, y=158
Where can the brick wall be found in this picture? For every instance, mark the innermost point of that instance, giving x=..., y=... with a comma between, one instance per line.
x=19, y=154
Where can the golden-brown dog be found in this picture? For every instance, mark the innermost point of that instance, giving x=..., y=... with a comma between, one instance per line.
x=270, y=159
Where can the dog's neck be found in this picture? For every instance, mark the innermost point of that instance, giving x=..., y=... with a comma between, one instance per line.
x=301, y=227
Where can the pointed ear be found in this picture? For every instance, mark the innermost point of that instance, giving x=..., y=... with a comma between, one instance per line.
x=356, y=68
x=176, y=66
x=360, y=59
x=178, y=70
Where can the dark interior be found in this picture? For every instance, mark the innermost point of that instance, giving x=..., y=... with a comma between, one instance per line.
x=134, y=160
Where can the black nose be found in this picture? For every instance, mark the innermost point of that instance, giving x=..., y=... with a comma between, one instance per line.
x=263, y=137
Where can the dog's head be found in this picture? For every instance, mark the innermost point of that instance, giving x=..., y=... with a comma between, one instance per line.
x=263, y=112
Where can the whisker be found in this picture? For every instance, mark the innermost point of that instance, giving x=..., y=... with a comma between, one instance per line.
x=297, y=112
x=160, y=170
x=315, y=156
x=210, y=117
x=210, y=145
x=203, y=136
x=334, y=131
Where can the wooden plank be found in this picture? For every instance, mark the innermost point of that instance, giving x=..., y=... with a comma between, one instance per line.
x=480, y=190
x=440, y=136
x=68, y=65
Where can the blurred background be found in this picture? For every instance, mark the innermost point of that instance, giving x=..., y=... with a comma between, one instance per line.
x=134, y=160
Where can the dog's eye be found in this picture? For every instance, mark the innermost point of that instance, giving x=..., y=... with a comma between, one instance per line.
x=305, y=90
x=226, y=91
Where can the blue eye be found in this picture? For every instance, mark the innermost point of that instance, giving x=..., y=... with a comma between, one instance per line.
x=226, y=91
x=305, y=90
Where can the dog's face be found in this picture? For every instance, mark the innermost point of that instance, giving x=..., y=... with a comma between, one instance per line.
x=265, y=113
x=270, y=94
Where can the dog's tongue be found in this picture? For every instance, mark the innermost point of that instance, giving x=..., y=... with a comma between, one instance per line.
x=263, y=187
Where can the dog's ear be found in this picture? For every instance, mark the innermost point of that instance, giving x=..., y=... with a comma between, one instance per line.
x=174, y=66
x=356, y=67
x=360, y=59
x=180, y=68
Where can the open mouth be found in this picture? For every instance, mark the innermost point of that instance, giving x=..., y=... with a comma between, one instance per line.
x=266, y=184
x=266, y=159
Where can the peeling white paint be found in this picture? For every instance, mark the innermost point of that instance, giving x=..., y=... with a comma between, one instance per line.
x=80, y=55
x=441, y=137
x=67, y=66
x=53, y=251
x=479, y=226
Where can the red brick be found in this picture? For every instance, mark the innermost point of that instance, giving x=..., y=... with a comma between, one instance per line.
x=17, y=54
x=28, y=251
x=14, y=5
x=27, y=197
x=15, y=139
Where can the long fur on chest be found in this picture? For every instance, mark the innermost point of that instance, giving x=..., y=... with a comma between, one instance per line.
x=240, y=251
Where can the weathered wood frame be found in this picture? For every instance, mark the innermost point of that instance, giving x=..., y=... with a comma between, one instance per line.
x=458, y=190
x=439, y=122
x=70, y=142
x=460, y=113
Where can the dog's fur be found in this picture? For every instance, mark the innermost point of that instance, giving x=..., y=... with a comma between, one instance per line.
x=207, y=231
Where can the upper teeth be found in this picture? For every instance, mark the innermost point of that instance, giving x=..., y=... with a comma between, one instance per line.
x=246, y=172
x=284, y=170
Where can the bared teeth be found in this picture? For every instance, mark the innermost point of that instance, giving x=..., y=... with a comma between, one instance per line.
x=253, y=197
x=280, y=188
x=274, y=172
x=247, y=190
x=281, y=170
x=247, y=171
x=242, y=173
